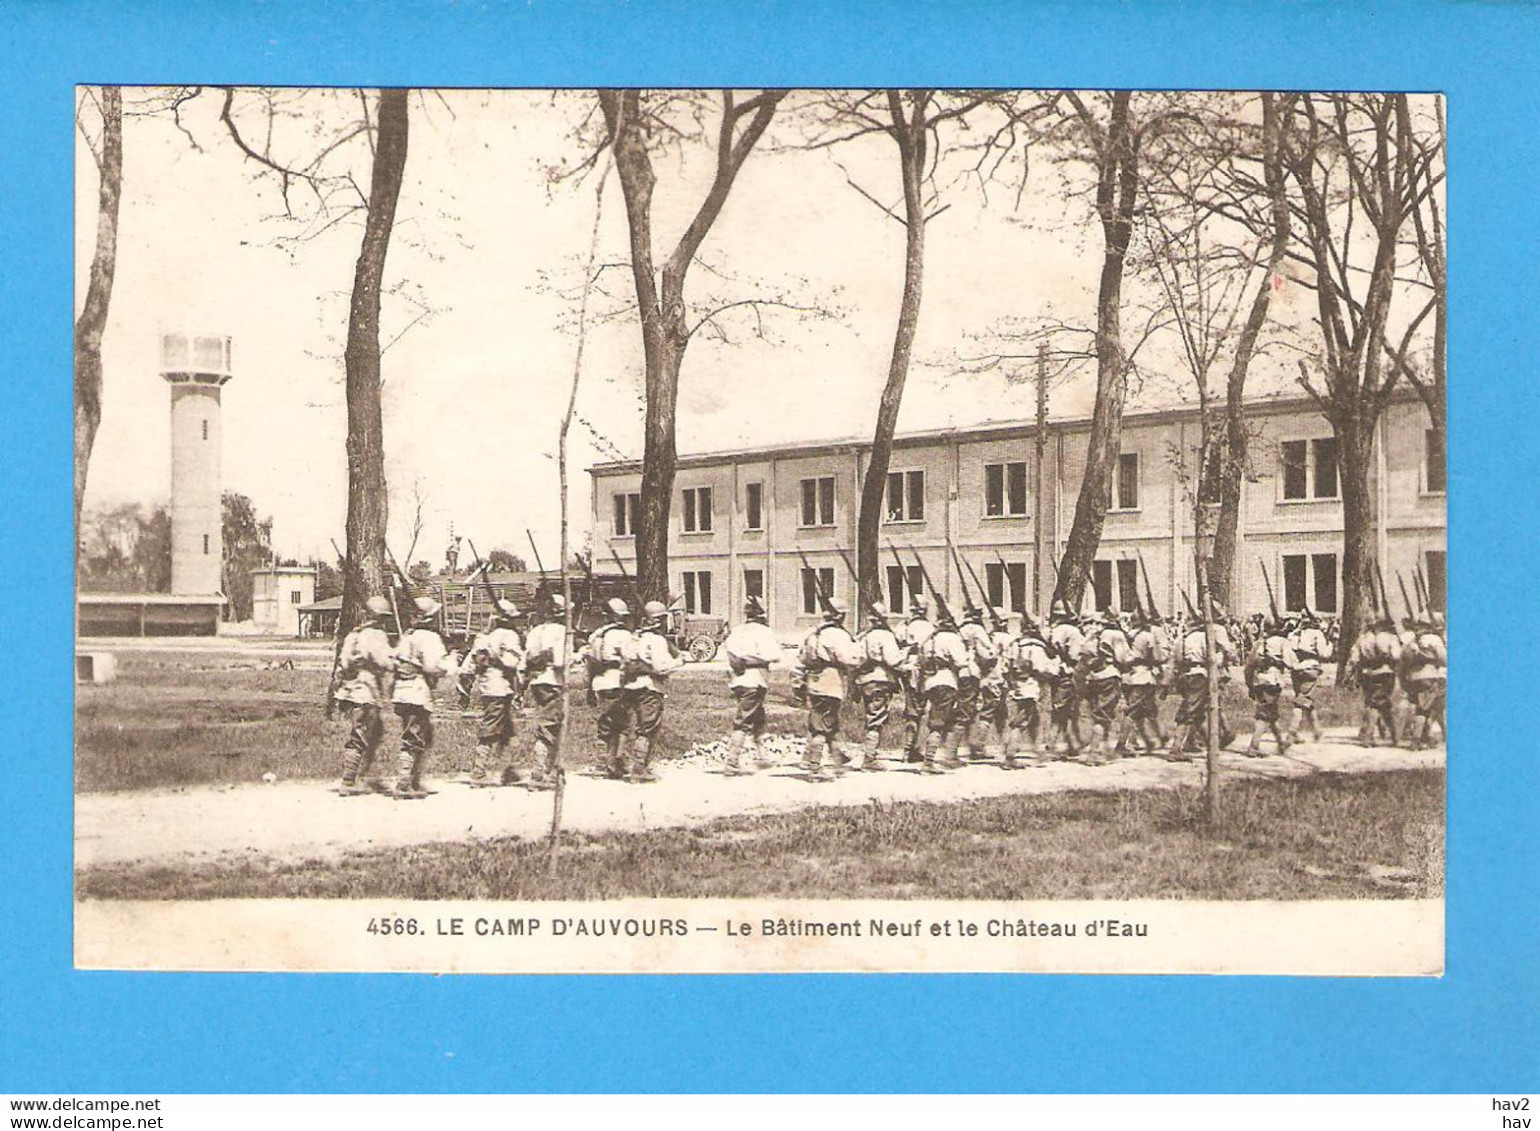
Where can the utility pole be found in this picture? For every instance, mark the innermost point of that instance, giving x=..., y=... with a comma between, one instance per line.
x=1042, y=451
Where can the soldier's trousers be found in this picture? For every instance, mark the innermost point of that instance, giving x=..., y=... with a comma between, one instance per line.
x=877, y=703
x=365, y=729
x=416, y=741
x=914, y=718
x=614, y=717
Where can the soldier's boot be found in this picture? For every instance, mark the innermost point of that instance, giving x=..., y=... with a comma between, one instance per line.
x=612, y=766
x=641, y=760
x=1008, y=750
x=1367, y=727
x=812, y=757
x=1390, y=725
x=932, y=756
x=1281, y=738
x=734, y=764
x=542, y=762
x=1253, y=748
x=869, y=759
x=961, y=756
x=351, y=759
x=839, y=760
x=1226, y=735
x=912, y=741
x=762, y=760
x=406, y=768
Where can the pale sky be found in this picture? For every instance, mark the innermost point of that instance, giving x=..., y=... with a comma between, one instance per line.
x=473, y=395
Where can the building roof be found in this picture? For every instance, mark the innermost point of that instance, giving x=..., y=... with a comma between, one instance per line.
x=330, y=605
x=90, y=598
x=283, y=569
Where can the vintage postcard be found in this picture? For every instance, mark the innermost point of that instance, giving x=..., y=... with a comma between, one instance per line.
x=766, y=530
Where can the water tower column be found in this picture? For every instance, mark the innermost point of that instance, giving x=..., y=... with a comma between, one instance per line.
x=196, y=367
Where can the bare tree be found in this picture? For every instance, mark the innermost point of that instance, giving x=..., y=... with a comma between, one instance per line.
x=107, y=150
x=636, y=123
x=336, y=196
x=1361, y=177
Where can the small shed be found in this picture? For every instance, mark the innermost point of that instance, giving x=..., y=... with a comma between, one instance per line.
x=278, y=593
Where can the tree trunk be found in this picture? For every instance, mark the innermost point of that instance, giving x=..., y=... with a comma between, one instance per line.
x=1237, y=441
x=1355, y=457
x=1118, y=183
x=92, y=322
x=368, y=505
x=659, y=455
x=874, y=484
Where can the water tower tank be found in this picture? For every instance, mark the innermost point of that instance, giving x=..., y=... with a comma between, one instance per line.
x=196, y=366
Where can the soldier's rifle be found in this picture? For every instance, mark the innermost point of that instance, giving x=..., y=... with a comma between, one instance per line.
x=404, y=583
x=856, y=578
x=1006, y=584
x=636, y=594
x=1401, y=581
x=1384, y=594
x=485, y=565
x=964, y=564
x=825, y=600
x=1138, y=600
x=1192, y=613
x=935, y=593
x=1420, y=584
x=331, y=684
x=1272, y=603
x=1149, y=590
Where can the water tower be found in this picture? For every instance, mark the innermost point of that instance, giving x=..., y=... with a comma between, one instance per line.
x=196, y=366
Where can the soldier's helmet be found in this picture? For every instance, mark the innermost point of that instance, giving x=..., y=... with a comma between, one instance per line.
x=754, y=608
x=506, y=609
x=1029, y=625
x=654, y=612
x=919, y=604
x=377, y=607
x=974, y=614
x=557, y=601
x=1306, y=616
x=1060, y=610
x=426, y=607
x=1436, y=619
x=878, y=611
x=945, y=618
x=836, y=610
x=1002, y=614
x=617, y=608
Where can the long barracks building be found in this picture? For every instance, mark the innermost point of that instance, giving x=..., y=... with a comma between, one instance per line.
x=739, y=518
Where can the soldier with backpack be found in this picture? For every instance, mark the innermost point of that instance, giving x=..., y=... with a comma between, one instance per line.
x=944, y=660
x=1268, y=664
x=604, y=660
x=1148, y=654
x=827, y=653
x=1374, y=659
x=877, y=678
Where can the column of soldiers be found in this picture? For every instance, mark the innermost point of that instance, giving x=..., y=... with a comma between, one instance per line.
x=1015, y=693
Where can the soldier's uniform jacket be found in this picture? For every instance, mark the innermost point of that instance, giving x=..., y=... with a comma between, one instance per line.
x=1146, y=653
x=1310, y=648
x=1194, y=644
x=606, y=655
x=1028, y=663
x=549, y=636
x=1427, y=658
x=752, y=640
x=827, y=652
x=497, y=656
x=1272, y=657
x=881, y=654
x=1112, y=654
x=943, y=658
x=651, y=658
x=1068, y=642
x=981, y=650
x=1376, y=653
x=419, y=661
x=915, y=631
x=363, y=661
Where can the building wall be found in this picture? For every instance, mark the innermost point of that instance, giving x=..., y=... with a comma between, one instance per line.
x=1158, y=530
x=277, y=595
x=197, y=549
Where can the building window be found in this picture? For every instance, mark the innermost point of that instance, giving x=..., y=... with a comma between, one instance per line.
x=906, y=496
x=903, y=583
x=1123, y=492
x=697, y=510
x=294, y=596
x=754, y=584
x=628, y=515
x=1309, y=468
x=1101, y=584
x=1128, y=584
x=814, y=581
x=205, y=543
x=754, y=505
x=818, y=501
x=1005, y=490
x=1433, y=461
x=1309, y=580
x=1006, y=584
x=697, y=591
x=1433, y=572
x=205, y=429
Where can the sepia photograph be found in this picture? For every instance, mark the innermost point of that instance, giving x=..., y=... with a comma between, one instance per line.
x=652, y=530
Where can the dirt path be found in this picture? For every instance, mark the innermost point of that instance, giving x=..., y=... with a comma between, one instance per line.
x=305, y=820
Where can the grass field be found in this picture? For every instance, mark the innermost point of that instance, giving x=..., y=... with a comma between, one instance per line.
x=178, y=719
x=1326, y=837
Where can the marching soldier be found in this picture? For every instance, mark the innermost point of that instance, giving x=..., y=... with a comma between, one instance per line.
x=1148, y=653
x=1065, y=642
x=649, y=661
x=418, y=663
x=944, y=660
x=1192, y=682
x=915, y=631
x=1271, y=658
x=877, y=679
x=994, y=688
x=496, y=655
x=1310, y=649
x=1375, y=657
x=1424, y=675
x=751, y=648
x=363, y=663
x=606, y=650
x=1028, y=667
x=545, y=659
x=1109, y=655
x=981, y=661
x=826, y=655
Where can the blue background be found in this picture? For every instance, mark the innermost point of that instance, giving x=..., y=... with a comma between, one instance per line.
x=1473, y=1030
